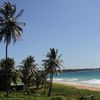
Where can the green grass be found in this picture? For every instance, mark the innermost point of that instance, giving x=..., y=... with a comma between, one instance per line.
x=59, y=92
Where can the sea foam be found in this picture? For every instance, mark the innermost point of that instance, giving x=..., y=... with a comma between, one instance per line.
x=92, y=81
x=88, y=82
x=65, y=79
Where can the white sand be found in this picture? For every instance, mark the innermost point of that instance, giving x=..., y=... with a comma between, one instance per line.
x=79, y=86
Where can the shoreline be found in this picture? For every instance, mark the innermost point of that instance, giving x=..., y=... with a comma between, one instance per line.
x=79, y=86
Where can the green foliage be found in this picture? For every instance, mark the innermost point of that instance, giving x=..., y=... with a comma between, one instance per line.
x=28, y=70
x=30, y=91
x=10, y=29
x=7, y=72
x=53, y=62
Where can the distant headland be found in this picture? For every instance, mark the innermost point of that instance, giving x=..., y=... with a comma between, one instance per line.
x=77, y=70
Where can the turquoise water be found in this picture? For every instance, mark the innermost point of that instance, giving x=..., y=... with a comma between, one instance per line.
x=84, y=77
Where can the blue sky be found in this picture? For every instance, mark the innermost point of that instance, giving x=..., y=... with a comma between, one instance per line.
x=71, y=26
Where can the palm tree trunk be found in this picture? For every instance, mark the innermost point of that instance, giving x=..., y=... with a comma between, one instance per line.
x=6, y=50
x=45, y=85
x=7, y=91
x=25, y=86
x=51, y=80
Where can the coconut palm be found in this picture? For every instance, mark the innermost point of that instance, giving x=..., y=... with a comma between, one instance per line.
x=54, y=63
x=7, y=72
x=29, y=70
x=10, y=29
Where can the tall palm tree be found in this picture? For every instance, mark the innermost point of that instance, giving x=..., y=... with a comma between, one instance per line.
x=54, y=63
x=29, y=70
x=10, y=29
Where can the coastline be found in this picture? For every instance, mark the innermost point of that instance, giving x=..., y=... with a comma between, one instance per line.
x=79, y=86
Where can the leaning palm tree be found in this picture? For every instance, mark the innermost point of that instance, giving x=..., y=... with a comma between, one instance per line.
x=29, y=70
x=54, y=63
x=10, y=29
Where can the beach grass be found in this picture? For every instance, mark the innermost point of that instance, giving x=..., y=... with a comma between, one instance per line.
x=59, y=92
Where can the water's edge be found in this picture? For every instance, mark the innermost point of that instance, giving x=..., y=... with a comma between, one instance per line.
x=85, y=77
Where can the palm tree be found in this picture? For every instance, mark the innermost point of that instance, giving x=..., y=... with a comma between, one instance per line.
x=7, y=72
x=10, y=29
x=54, y=63
x=29, y=70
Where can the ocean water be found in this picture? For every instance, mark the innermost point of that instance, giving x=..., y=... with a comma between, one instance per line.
x=89, y=77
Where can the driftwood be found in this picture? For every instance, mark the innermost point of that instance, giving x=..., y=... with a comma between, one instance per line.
x=91, y=97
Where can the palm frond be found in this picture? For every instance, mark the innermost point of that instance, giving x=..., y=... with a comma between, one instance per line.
x=53, y=62
x=21, y=23
x=13, y=9
x=10, y=29
x=19, y=14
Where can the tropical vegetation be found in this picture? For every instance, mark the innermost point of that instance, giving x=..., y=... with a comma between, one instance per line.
x=28, y=81
x=28, y=72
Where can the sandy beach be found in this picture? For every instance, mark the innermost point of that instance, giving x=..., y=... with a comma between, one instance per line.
x=79, y=86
